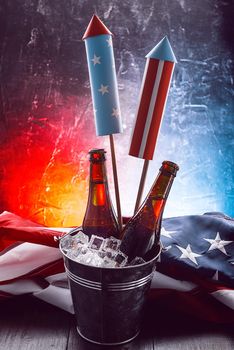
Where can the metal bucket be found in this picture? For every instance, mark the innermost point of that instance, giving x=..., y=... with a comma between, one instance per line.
x=108, y=302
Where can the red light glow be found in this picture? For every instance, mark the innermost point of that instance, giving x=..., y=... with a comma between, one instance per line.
x=44, y=166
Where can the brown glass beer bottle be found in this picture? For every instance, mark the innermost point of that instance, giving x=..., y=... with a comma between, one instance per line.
x=100, y=218
x=143, y=229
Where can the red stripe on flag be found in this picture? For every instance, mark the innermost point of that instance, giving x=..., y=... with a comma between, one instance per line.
x=143, y=107
x=39, y=235
x=196, y=303
x=158, y=110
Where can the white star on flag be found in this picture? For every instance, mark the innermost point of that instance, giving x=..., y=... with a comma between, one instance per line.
x=166, y=233
x=167, y=248
x=188, y=254
x=96, y=60
x=103, y=89
x=109, y=41
x=217, y=243
x=115, y=112
x=215, y=277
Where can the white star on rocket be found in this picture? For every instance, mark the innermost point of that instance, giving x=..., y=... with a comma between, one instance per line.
x=109, y=41
x=103, y=89
x=115, y=112
x=217, y=243
x=188, y=254
x=166, y=233
x=96, y=60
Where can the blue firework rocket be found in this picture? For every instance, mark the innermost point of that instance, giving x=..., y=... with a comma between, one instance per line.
x=103, y=81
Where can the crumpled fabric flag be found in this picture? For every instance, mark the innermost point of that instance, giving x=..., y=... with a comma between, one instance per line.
x=195, y=272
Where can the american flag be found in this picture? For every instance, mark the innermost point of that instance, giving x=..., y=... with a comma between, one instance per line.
x=152, y=101
x=195, y=269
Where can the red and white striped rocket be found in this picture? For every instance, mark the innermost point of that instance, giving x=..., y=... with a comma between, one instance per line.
x=153, y=96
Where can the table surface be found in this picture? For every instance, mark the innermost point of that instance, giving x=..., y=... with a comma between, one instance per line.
x=27, y=323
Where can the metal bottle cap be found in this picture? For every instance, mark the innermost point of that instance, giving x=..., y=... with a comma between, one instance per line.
x=97, y=155
x=170, y=167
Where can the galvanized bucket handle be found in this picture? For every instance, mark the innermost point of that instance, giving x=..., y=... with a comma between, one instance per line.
x=74, y=230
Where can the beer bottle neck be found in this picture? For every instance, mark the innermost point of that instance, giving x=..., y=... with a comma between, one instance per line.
x=162, y=186
x=97, y=172
x=98, y=187
x=152, y=208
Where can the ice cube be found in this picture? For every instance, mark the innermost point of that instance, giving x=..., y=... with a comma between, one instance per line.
x=96, y=242
x=137, y=261
x=111, y=243
x=84, y=249
x=96, y=260
x=75, y=250
x=90, y=257
x=85, y=256
x=67, y=243
x=73, y=253
x=111, y=254
x=120, y=259
x=80, y=237
x=107, y=262
x=101, y=254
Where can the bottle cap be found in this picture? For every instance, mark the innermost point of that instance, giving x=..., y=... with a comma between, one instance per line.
x=169, y=167
x=97, y=155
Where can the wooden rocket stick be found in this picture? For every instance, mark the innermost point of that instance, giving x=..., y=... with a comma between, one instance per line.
x=117, y=196
x=142, y=184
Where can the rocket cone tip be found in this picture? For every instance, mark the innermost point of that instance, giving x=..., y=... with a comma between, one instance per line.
x=96, y=27
x=163, y=51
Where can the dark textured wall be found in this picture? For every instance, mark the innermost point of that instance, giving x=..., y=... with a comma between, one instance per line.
x=46, y=121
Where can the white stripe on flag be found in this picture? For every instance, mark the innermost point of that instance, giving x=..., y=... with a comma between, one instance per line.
x=58, y=280
x=161, y=281
x=140, y=96
x=59, y=229
x=225, y=296
x=20, y=287
x=24, y=258
x=151, y=109
x=60, y=297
